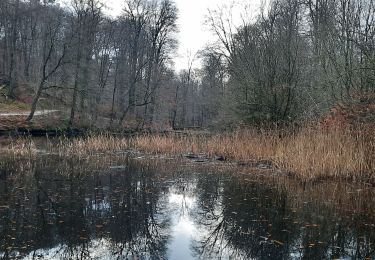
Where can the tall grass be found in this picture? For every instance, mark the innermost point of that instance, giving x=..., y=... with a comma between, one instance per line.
x=22, y=147
x=334, y=153
x=92, y=145
x=309, y=153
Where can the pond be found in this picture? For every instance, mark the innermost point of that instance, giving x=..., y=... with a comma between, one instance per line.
x=133, y=207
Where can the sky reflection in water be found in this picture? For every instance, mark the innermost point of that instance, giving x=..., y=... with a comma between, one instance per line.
x=54, y=208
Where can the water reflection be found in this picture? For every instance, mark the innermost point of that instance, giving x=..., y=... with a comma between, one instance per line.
x=121, y=208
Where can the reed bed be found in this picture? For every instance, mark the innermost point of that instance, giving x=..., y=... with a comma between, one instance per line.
x=22, y=147
x=92, y=145
x=335, y=153
x=309, y=153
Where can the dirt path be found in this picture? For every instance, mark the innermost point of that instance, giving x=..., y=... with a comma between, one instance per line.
x=37, y=113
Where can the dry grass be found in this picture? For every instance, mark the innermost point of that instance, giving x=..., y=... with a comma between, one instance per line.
x=92, y=145
x=309, y=153
x=22, y=147
x=333, y=153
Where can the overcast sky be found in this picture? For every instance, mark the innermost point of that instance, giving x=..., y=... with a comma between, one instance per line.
x=193, y=33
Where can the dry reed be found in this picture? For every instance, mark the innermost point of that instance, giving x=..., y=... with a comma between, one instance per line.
x=309, y=153
x=92, y=145
x=20, y=147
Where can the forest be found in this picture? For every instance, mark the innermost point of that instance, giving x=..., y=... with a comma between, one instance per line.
x=294, y=62
x=261, y=147
x=292, y=85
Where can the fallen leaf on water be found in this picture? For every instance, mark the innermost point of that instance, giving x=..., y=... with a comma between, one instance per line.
x=278, y=242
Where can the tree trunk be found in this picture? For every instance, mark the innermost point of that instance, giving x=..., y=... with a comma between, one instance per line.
x=74, y=101
x=12, y=68
x=35, y=101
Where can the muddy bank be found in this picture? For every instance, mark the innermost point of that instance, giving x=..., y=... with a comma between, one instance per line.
x=43, y=132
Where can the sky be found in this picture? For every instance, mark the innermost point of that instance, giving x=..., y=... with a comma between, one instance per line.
x=193, y=34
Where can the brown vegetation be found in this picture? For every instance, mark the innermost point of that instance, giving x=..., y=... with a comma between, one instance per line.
x=360, y=111
x=20, y=147
x=310, y=153
x=93, y=145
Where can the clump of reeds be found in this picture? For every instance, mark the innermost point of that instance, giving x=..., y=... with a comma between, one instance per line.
x=309, y=153
x=170, y=144
x=92, y=145
x=339, y=153
x=242, y=145
x=20, y=147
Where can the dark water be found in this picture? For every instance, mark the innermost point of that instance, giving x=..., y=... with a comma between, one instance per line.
x=54, y=208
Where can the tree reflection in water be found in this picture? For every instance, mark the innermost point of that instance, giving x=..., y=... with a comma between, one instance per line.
x=255, y=219
x=59, y=208
x=73, y=214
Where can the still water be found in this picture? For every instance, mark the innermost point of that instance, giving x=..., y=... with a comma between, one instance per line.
x=146, y=208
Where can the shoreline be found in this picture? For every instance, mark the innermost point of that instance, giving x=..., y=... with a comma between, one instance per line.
x=308, y=155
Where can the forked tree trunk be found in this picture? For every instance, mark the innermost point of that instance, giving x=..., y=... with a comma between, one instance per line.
x=35, y=100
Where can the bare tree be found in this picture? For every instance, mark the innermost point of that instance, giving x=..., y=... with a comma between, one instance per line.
x=13, y=41
x=87, y=19
x=52, y=56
